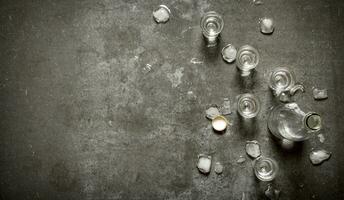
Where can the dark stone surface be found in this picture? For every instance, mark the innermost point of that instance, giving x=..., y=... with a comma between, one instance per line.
x=81, y=118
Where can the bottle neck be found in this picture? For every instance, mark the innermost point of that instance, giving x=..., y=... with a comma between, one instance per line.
x=312, y=121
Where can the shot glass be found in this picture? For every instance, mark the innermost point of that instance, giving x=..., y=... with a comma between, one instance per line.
x=265, y=168
x=211, y=25
x=281, y=80
x=247, y=59
x=248, y=105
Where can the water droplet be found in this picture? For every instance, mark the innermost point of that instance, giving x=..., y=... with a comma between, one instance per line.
x=319, y=156
x=241, y=159
x=196, y=61
x=321, y=138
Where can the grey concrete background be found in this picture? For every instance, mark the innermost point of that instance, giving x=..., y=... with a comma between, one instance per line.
x=81, y=118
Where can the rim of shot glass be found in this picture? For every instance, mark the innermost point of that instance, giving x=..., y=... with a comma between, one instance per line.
x=252, y=98
x=203, y=23
x=164, y=7
x=274, y=170
x=312, y=121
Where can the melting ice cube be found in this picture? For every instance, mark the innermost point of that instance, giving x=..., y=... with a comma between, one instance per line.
x=321, y=138
x=226, y=107
x=229, y=53
x=267, y=25
x=257, y=2
x=162, y=14
x=218, y=168
x=204, y=163
x=272, y=193
x=212, y=112
x=196, y=61
x=319, y=94
x=319, y=156
x=253, y=148
x=241, y=159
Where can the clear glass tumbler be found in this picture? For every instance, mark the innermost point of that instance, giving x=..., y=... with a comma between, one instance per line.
x=211, y=25
x=265, y=168
x=247, y=59
x=248, y=105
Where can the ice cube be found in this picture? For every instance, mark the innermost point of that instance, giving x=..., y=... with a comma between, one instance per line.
x=257, y=2
x=162, y=14
x=225, y=109
x=272, y=193
x=218, y=168
x=267, y=25
x=319, y=156
x=196, y=61
x=321, y=138
x=241, y=159
x=253, y=148
x=204, y=163
x=229, y=53
x=212, y=112
x=320, y=94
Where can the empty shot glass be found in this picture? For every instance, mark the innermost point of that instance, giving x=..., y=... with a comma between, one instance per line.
x=211, y=25
x=248, y=105
x=247, y=59
x=265, y=168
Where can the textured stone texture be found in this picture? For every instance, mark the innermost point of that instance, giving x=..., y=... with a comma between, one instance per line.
x=83, y=118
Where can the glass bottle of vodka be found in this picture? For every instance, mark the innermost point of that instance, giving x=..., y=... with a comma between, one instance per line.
x=288, y=121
